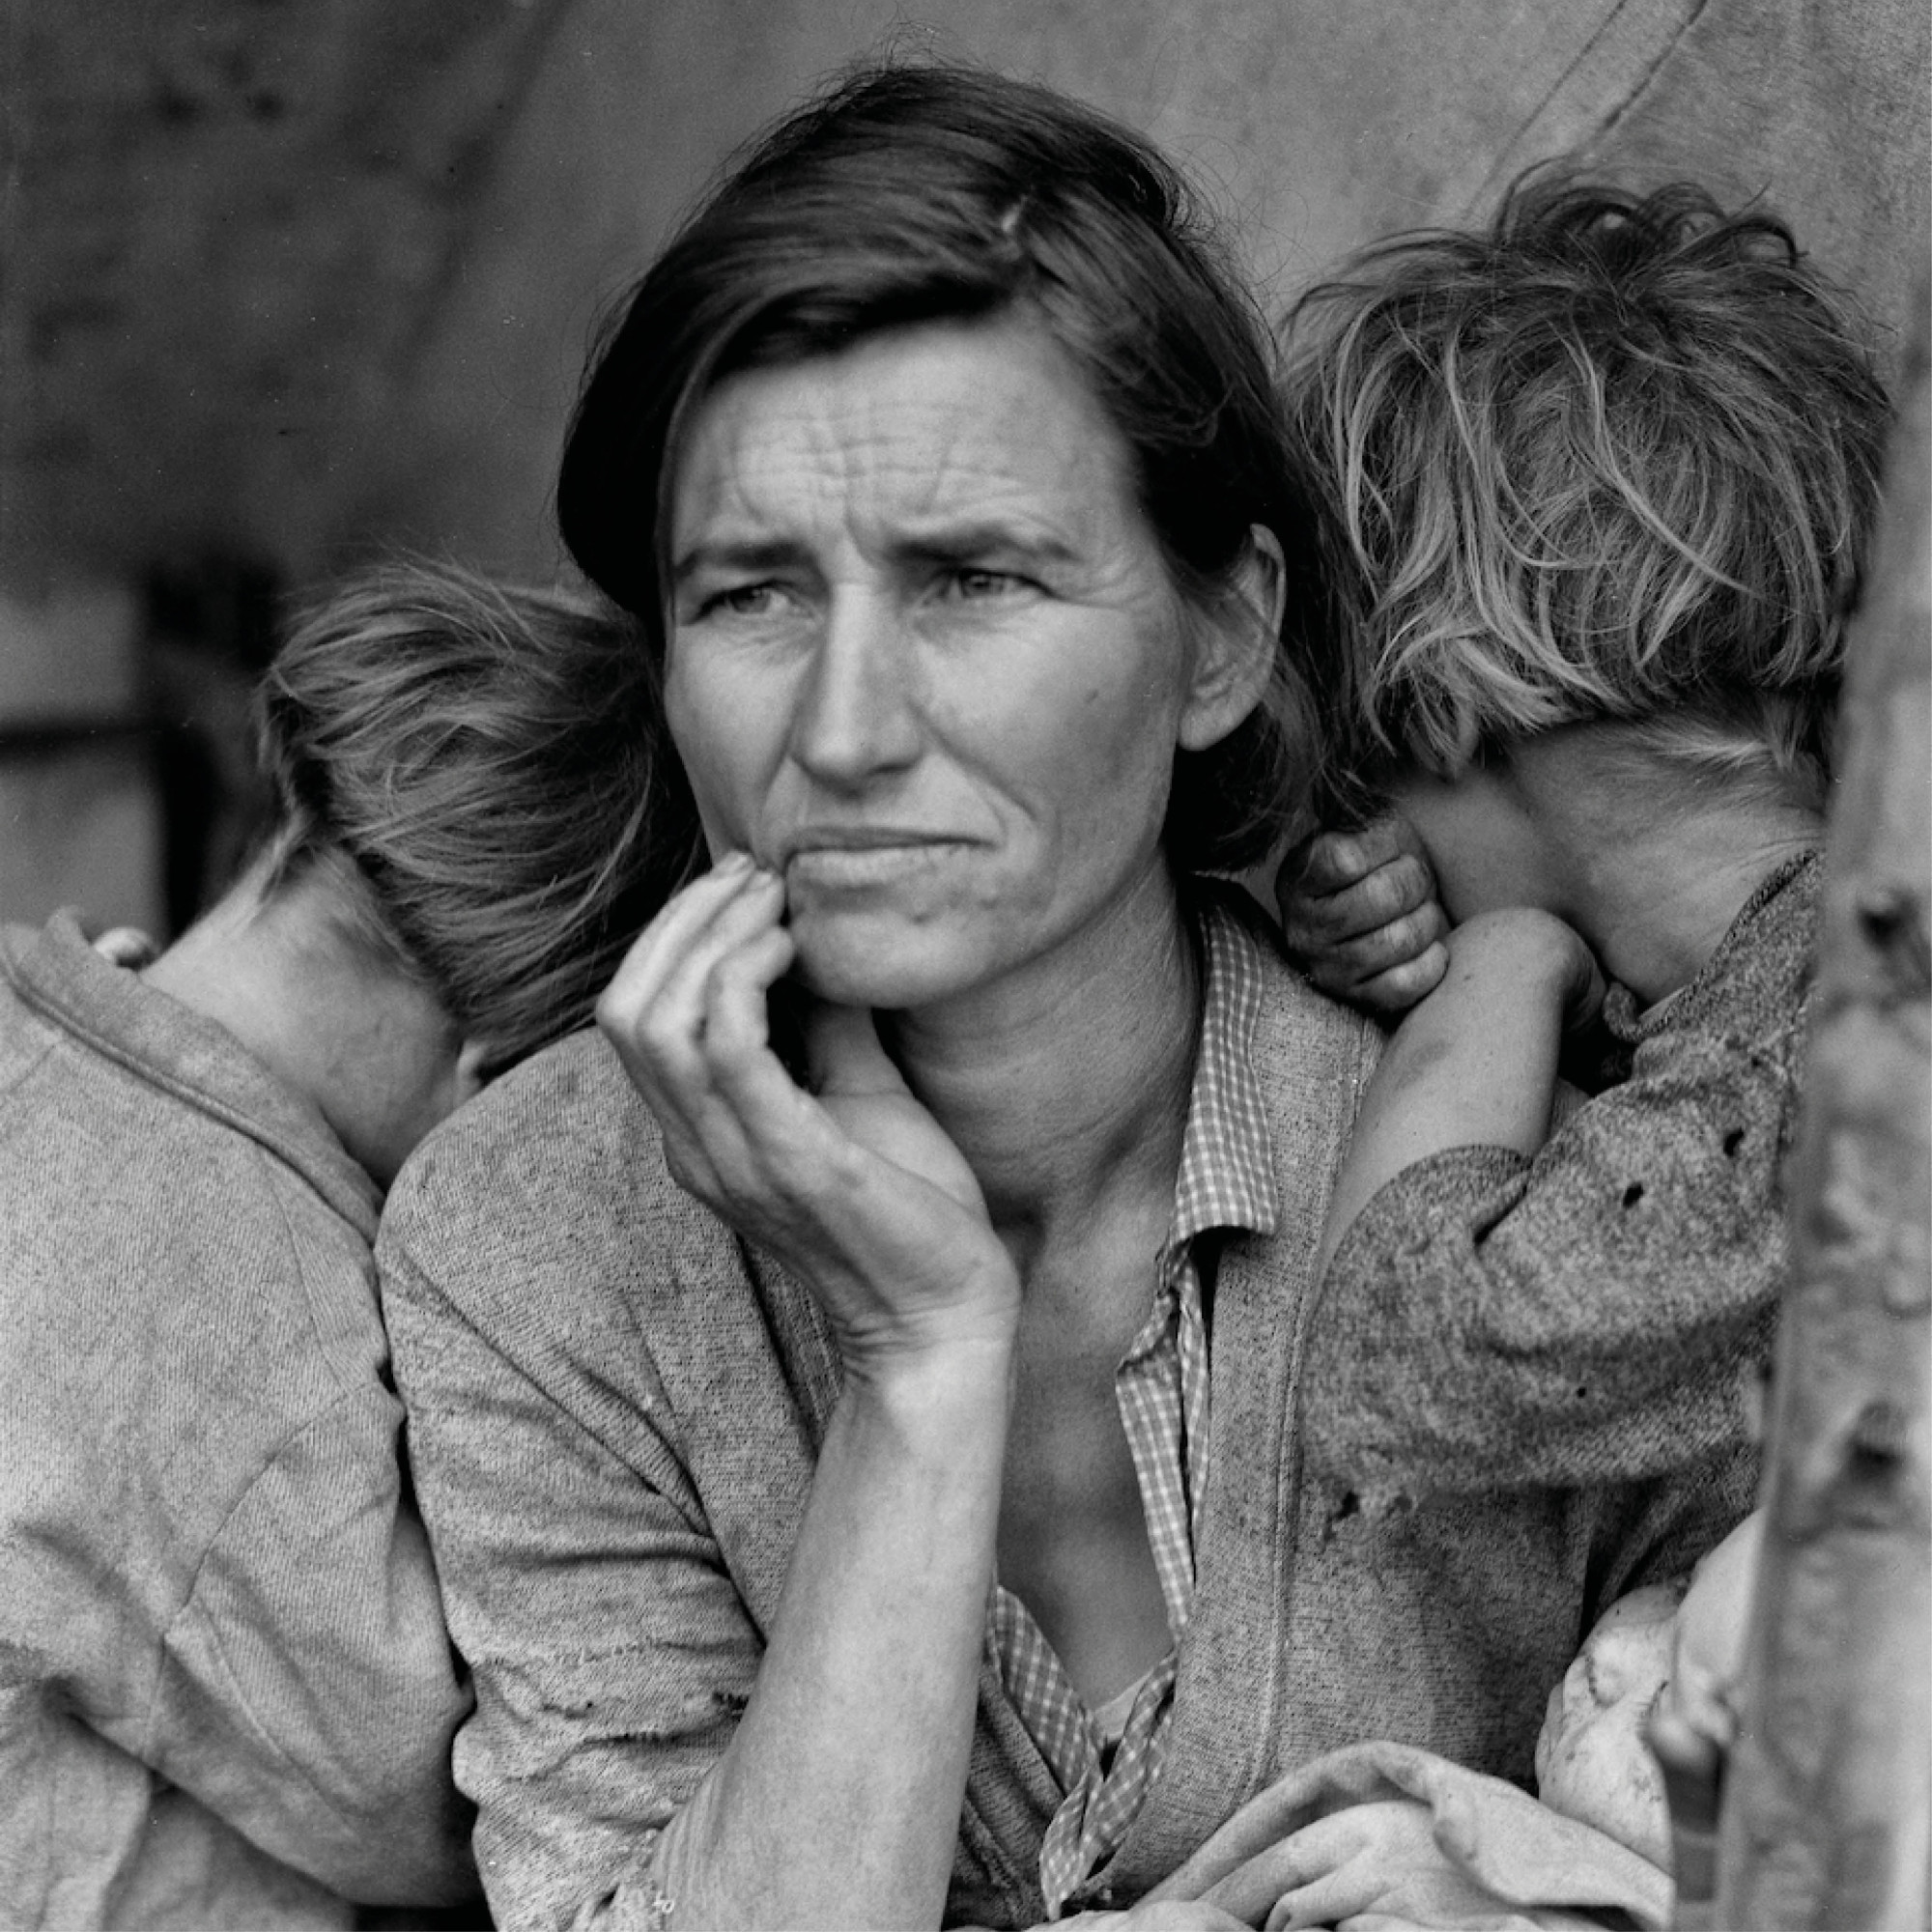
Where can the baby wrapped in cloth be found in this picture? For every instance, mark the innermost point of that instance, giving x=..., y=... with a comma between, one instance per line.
x=1386, y=1837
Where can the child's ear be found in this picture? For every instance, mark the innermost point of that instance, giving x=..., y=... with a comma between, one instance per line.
x=1235, y=649
x=473, y=1062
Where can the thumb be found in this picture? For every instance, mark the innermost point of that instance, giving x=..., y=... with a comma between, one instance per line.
x=1588, y=989
x=843, y=1052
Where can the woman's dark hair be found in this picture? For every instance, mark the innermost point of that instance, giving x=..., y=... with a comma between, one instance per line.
x=928, y=193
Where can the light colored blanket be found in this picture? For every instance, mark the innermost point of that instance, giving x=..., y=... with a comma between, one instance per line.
x=1385, y=1838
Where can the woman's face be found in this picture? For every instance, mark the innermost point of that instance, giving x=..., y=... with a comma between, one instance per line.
x=925, y=658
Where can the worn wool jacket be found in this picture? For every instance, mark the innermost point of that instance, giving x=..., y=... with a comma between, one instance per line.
x=615, y=1408
x=226, y=1695
x=1593, y=1313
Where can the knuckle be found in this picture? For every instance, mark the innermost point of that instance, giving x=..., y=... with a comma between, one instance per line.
x=1389, y=893
x=1404, y=938
x=1340, y=856
x=1410, y=880
x=1306, y=931
x=691, y=1173
x=1333, y=978
x=616, y=1010
x=1413, y=978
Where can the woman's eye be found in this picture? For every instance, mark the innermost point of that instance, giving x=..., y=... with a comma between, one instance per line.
x=973, y=584
x=741, y=600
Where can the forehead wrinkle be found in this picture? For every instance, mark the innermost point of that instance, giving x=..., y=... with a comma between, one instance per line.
x=735, y=449
x=980, y=479
x=823, y=447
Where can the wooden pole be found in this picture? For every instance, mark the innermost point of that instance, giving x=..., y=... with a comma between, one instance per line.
x=1829, y=1791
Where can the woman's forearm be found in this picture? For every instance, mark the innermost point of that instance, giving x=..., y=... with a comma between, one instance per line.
x=837, y=1802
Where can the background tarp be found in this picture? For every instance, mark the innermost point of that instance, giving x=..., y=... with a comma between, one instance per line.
x=279, y=284
x=296, y=278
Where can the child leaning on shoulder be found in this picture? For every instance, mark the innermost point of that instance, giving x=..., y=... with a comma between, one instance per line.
x=1601, y=478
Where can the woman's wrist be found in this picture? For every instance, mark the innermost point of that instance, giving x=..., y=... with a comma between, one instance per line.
x=934, y=1375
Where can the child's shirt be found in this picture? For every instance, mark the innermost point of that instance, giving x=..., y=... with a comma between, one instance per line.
x=226, y=1694
x=1591, y=1314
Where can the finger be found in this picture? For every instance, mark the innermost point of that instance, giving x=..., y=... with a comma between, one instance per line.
x=677, y=926
x=1402, y=887
x=1380, y=949
x=734, y=1028
x=1322, y=864
x=658, y=1006
x=1346, y=1865
x=1392, y=993
x=1393, y=990
x=658, y=1026
x=1195, y=1914
x=844, y=1053
x=1331, y=862
x=125, y=945
x=744, y=1134
x=1587, y=993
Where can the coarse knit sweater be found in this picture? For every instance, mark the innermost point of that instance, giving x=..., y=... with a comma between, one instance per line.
x=226, y=1694
x=615, y=1407
x=1595, y=1312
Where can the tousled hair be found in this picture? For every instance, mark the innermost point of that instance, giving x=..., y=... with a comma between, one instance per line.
x=473, y=766
x=1616, y=457
x=912, y=194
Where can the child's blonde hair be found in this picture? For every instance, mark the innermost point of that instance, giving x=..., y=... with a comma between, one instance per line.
x=474, y=765
x=1616, y=457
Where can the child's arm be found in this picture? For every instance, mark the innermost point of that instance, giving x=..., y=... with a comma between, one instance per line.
x=1583, y=1314
x=1475, y=1064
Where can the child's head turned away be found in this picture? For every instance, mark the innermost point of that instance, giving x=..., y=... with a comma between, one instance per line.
x=1613, y=459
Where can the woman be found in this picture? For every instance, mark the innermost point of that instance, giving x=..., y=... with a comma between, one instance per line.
x=908, y=1529
x=228, y=1695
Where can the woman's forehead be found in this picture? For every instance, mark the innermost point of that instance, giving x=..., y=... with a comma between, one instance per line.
x=914, y=432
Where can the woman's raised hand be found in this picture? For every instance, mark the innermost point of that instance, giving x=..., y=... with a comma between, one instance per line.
x=854, y=1186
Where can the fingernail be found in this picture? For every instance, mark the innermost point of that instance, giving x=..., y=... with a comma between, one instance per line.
x=734, y=862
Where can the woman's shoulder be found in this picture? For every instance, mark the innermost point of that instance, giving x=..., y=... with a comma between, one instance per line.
x=565, y=1111
x=557, y=1166
x=1299, y=1035
x=539, y=1228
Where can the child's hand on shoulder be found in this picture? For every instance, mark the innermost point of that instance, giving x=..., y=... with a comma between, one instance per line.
x=1360, y=916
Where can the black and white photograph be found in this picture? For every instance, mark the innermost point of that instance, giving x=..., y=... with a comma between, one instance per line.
x=965, y=964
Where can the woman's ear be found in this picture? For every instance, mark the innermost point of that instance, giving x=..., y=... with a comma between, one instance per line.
x=1235, y=649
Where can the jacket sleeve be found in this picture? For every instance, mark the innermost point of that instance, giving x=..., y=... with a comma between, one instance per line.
x=308, y=1693
x=612, y=1651
x=1588, y=1316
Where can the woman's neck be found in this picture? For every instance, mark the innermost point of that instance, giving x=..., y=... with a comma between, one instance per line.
x=1066, y=1086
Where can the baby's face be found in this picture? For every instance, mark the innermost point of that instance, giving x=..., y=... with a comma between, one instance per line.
x=1592, y=1762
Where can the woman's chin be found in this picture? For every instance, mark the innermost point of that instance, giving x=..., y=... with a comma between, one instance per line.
x=878, y=964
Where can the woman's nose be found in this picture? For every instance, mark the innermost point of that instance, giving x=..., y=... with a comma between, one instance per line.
x=855, y=717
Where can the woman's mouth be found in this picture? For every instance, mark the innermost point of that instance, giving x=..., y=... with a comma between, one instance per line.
x=854, y=861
